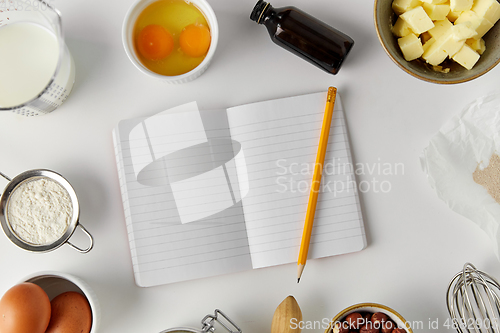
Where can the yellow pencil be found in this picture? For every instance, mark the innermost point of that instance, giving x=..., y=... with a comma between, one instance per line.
x=318, y=170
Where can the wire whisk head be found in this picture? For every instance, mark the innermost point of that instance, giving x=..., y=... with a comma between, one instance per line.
x=473, y=302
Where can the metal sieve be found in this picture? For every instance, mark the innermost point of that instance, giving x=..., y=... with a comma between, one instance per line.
x=31, y=175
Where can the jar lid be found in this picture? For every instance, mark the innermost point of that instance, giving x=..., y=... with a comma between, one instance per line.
x=208, y=325
x=181, y=330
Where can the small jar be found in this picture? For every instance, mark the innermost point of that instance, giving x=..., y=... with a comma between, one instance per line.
x=208, y=325
x=303, y=35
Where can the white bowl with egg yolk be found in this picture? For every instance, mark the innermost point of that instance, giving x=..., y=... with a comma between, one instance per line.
x=128, y=41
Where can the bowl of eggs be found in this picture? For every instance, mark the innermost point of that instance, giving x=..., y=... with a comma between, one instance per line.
x=440, y=41
x=171, y=40
x=49, y=302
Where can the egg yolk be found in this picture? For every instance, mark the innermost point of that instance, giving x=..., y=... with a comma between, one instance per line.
x=154, y=42
x=195, y=40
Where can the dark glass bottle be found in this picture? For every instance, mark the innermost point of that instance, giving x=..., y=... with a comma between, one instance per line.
x=304, y=35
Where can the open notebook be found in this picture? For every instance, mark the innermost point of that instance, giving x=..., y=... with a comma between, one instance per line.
x=214, y=192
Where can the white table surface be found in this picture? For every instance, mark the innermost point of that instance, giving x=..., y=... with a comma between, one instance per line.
x=415, y=242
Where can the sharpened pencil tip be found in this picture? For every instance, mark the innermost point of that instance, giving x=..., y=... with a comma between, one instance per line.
x=298, y=280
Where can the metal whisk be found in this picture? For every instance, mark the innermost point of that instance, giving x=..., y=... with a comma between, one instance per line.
x=473, y=301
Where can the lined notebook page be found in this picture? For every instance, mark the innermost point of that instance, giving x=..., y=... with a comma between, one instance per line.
x=164, y=250
x=280, y=140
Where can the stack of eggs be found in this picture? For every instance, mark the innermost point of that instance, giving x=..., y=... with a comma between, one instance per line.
x=26, y=308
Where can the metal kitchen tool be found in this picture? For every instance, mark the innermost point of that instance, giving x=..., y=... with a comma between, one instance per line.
x=473, y=301
x=31, y=175
x=208, y=325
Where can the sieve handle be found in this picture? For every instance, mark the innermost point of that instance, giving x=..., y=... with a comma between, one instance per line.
x=91, y=241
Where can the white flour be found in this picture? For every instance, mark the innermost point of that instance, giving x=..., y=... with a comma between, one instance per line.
x=39, y=211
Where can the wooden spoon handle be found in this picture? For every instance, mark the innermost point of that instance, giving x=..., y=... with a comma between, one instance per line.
x=287, y=317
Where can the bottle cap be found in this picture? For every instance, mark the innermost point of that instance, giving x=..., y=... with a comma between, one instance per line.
x=257, y=11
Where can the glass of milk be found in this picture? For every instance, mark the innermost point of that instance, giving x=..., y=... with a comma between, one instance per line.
x=37, y=71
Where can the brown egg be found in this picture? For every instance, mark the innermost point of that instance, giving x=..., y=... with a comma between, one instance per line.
x=70, y=314
x=24, y=308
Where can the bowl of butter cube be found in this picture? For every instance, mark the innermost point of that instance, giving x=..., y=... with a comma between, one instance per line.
x=440, y=41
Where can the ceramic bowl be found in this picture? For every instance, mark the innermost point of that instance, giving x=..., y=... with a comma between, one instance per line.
x=56, y=283
x=372, y=308
x=128, y=41
x=384, y=20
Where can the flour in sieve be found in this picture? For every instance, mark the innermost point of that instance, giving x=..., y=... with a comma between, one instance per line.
x=39, y=211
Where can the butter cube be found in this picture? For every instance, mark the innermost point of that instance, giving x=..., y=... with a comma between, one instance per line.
x=428, y=43
x=469, y=16
x=440, y=27
x=463, y=31
x=401, y=28
x=489, y=9
x=461, y=5
x=444, y=46
x=436, y=12
x=452, y=16
x=466, y=57
x=435, y=53
x=401, y=6
x=411, y=47
x=485, y=26
x=452, y=46
x=477, y=45
x=418, y=20
x=481, y=24
x=435, y=2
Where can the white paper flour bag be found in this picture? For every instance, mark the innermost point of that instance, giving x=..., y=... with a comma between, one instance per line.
x=465, y=144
